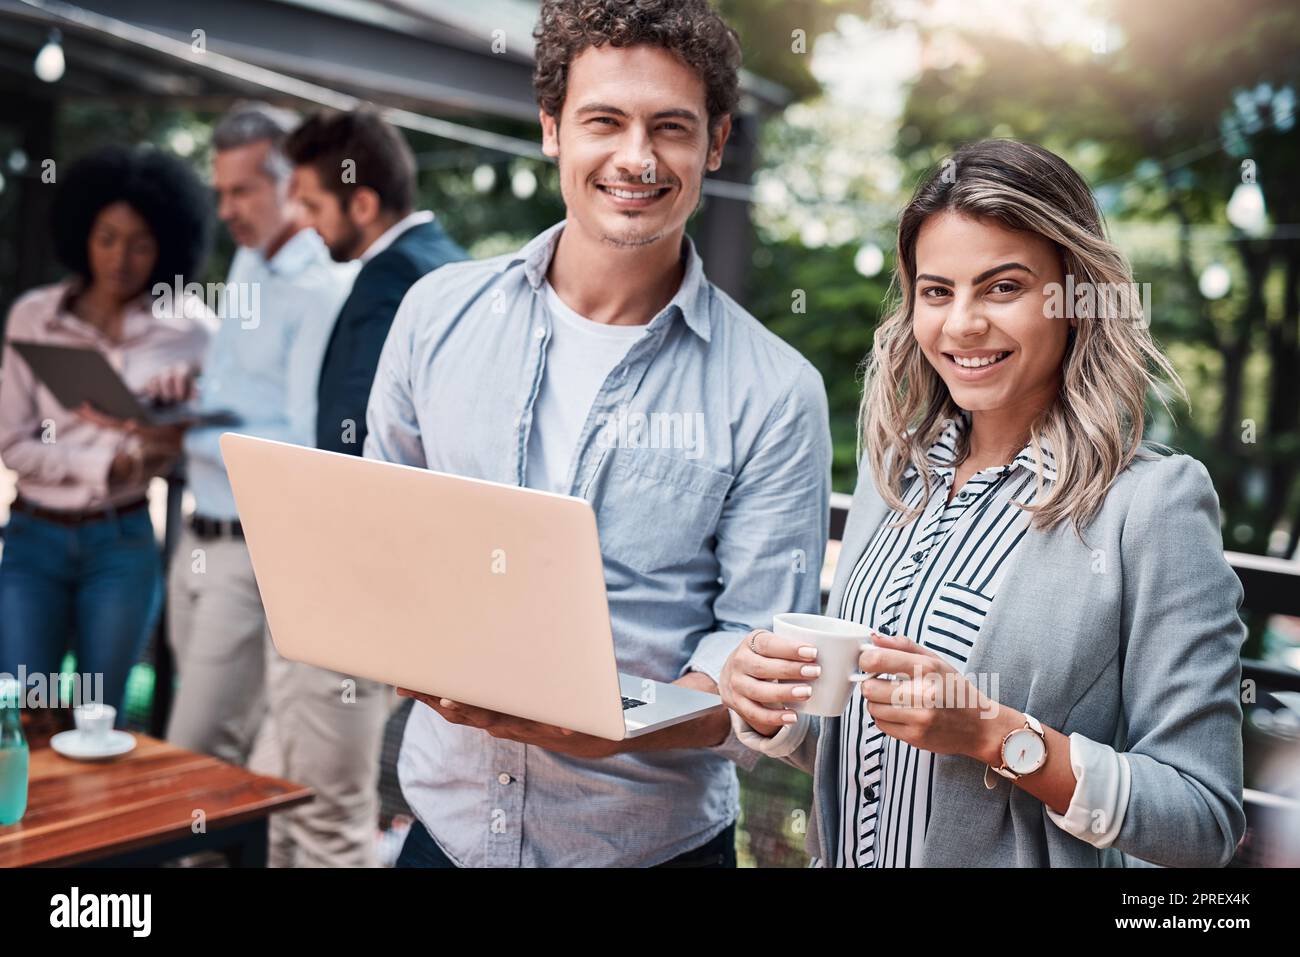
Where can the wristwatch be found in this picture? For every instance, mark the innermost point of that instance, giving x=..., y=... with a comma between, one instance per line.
x=1024, y=751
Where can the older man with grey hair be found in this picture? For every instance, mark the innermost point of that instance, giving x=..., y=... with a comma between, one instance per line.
x=280, y=302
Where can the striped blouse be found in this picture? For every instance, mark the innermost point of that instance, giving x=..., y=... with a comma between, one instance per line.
x=933, y=581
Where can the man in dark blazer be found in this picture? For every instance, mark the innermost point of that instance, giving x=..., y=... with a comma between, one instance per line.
x=362, y=326
x=354, y=176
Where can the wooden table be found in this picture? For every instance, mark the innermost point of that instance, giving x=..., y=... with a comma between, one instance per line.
x=138, y=810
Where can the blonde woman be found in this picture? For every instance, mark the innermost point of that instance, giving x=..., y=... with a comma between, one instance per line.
x=1055, y=623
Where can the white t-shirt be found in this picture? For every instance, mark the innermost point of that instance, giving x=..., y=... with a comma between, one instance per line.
x=579, y=357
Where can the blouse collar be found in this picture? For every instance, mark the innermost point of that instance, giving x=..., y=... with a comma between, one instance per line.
x=943, y=450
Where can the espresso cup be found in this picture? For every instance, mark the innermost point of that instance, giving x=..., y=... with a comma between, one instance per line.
x=94, y=721
x=838, y=643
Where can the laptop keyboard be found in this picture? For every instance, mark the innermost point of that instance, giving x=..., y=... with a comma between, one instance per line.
x=630, y=703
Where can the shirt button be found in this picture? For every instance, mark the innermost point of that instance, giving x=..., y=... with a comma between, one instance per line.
x=917, y=556
x=539, y=332
x=869, y=793
x=963, y=495
x=503, y=778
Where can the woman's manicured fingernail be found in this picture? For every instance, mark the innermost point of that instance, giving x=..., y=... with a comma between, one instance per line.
x=801, y=691
x=808, y=651
x=447, y=702
x=789, y=717
x=810, y=671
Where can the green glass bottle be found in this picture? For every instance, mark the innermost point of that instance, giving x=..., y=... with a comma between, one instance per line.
x=13, y=754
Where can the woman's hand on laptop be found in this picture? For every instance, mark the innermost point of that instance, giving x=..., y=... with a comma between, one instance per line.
x=765, y=676
x=507, y=726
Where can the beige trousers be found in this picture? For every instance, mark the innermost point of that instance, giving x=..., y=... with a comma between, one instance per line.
x=323, y=729
x=216, y=629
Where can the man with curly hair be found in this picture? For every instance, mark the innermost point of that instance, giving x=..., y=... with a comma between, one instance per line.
x=543, y=368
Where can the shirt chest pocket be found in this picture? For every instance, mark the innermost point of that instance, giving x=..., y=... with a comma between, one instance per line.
x=655, y=511
x=955, y=620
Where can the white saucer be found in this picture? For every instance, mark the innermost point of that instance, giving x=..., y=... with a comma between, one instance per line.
x=73, y=744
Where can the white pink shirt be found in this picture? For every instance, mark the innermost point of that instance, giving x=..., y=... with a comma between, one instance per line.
x=61, y=459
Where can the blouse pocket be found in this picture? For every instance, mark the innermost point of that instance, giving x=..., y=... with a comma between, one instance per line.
x=655, y=511
x=955, y=620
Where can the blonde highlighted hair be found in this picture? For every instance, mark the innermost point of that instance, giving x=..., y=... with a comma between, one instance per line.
x=1094, y=427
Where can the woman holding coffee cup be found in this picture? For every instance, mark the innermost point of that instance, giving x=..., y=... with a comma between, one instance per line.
x=1048, y=645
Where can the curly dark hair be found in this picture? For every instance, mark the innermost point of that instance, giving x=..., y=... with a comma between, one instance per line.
x=161, y=188
x=691, y=29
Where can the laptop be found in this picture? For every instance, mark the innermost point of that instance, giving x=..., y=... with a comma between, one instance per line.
x=75, y=374
x=484, y=593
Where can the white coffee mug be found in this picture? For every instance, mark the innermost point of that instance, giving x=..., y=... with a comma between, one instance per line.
x=838, y=643
x=94, y=720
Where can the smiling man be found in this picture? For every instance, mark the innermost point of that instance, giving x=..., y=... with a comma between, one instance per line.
x=510, y=370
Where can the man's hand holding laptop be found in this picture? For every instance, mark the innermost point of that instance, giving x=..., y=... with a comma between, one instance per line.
x=707, y=731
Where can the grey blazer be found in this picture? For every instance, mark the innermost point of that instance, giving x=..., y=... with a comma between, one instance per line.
x=1132, y=639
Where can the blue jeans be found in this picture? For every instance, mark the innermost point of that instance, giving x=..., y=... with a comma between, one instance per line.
x=421, y=850
x=94, y=588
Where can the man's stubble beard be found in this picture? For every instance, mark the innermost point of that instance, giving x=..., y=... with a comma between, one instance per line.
x=634, y=238
x=348, y=246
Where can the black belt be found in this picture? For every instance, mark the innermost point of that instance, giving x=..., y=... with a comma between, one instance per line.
x=216, y=527
x=76, y=518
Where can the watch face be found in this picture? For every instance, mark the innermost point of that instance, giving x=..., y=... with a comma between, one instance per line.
x=1024, y=751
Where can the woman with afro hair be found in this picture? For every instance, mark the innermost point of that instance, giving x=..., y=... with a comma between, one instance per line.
x=81, y=568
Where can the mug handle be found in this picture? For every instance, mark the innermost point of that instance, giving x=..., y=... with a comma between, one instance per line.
x=860, y=676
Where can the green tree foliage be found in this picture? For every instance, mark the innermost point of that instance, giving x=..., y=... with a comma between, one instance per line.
x=1168, y=108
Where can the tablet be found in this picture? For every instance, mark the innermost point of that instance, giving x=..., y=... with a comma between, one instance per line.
x=75, y=374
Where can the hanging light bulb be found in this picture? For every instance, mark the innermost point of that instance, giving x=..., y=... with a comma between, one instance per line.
x=49, y=65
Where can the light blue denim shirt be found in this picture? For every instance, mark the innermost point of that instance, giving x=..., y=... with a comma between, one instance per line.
x=712, y=512
x=264, y=362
